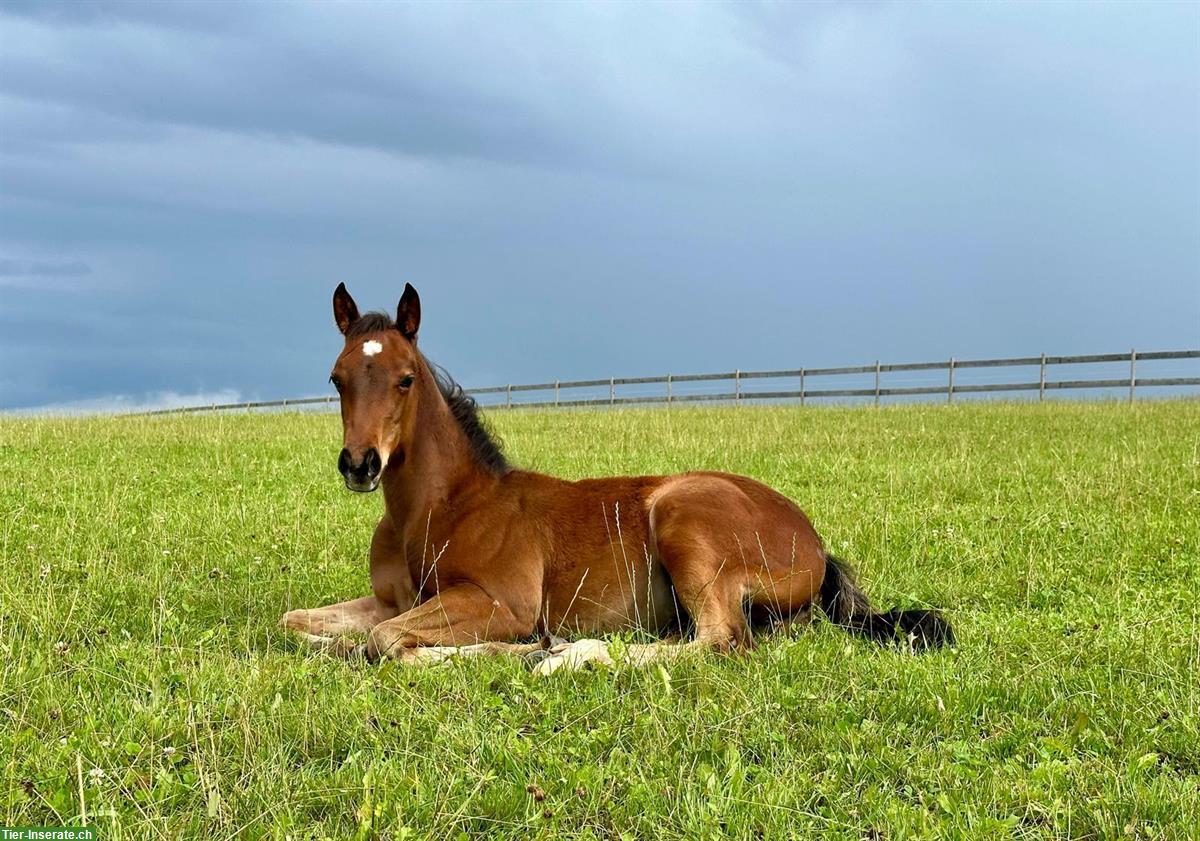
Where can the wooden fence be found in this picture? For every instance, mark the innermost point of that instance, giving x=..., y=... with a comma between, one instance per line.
x=802, y=378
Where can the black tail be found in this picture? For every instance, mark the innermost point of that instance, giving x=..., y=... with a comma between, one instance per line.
x=847, y=607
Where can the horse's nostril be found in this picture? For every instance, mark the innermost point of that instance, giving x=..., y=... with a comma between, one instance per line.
x=344, y=462
x=373, y=463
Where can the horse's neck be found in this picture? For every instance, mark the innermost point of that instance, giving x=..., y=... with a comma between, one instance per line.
x=437, y=465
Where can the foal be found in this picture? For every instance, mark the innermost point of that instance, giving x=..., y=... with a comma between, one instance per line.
x=472, y=552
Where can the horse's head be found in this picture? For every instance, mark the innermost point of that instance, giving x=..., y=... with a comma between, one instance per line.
x=378, y=375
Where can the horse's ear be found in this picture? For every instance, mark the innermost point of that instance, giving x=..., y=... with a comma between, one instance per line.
x=345, y=311
x=408, y=314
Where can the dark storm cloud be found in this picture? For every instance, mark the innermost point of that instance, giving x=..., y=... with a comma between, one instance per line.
x=317, y=73
x=587, y=189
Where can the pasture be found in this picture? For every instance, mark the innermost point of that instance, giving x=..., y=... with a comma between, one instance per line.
x=143, y=681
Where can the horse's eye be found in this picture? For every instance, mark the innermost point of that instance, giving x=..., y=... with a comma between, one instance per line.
x=336, y=382
x=405, y=382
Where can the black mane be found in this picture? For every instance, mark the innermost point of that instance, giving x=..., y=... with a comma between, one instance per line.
x=484, y=446
x=372, y=322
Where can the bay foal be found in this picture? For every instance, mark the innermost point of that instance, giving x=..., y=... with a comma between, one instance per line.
x=475, y=555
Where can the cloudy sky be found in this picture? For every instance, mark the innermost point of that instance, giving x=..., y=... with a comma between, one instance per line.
x=581, y=190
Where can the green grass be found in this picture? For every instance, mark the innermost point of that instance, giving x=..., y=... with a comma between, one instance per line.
x=144, y=564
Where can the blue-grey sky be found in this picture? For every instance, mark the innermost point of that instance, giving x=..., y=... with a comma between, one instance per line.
x=581, y=190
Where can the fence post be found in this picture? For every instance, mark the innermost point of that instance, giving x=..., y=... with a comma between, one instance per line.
x=1132, y=373
x=508, y=398
x=670, y=395
x=737, y=387
x=556, y=394
x=801, y=386
x=877, y=383
x=950, y=389
x=1042, y=381
x=612, y=391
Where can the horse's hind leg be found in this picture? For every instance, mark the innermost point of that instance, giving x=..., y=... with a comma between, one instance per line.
x=730, y=545
x=711, y=590
x=711, y=598
x=726, y=548
x=691, y=527
x=710, y=584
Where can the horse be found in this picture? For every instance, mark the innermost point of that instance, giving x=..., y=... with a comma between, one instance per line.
x=475, y=556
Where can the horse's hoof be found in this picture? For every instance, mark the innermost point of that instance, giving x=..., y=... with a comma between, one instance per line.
x=532, y=658
x=295, y=620
x=349, y=650
x=577, y=655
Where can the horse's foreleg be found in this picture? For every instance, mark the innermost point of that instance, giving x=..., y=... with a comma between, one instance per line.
x=427, y=655
x=325, y=627
x=587, y=653
x=458, y=618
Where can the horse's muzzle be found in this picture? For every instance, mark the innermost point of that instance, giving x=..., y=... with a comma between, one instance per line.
x=361, y=476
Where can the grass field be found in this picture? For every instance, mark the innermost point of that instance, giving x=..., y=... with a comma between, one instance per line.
x=145, y=563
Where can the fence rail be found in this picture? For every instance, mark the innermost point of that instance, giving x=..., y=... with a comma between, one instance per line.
x=1041, y=385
